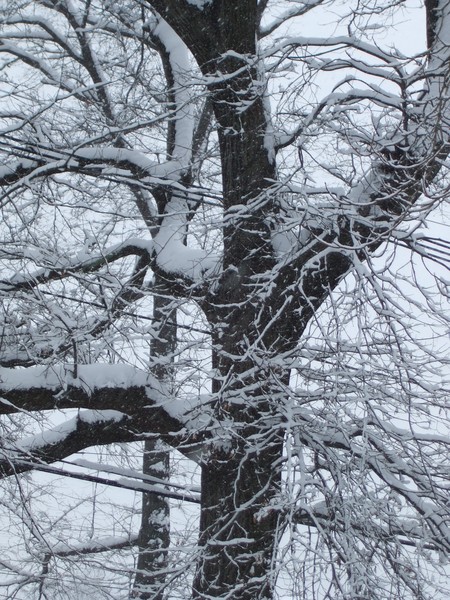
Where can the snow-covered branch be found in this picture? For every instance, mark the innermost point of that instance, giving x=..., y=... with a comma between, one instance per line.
x=299, y=9
x=88, y=428
x=426, y=503
x=60, y=268
x=98, y=545
x=105, y=161
x=98, y=387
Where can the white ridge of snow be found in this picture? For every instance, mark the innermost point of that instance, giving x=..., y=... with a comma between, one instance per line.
x=89, y=377
x=62, y=430
x=200, y=4
x=181, y=70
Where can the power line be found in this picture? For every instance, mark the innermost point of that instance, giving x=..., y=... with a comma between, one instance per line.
x=126, y=484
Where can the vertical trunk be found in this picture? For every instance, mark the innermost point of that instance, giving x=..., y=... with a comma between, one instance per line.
x=241, y=472
x=238, y=523
x=241, y=478
x=154, y=535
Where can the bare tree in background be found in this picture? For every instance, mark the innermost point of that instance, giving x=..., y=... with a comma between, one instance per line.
x=220, y=235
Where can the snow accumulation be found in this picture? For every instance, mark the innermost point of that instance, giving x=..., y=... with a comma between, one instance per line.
x=172, y=254
x=100, y=416
x=181, y=68
x=200, y=4
x=193, y=411
x=177, y=258
x=131, y=473
x=91, y=376
x=51, y=436
x=23, y=163
x=285, y=242
x=91, y=545
x=60, y=432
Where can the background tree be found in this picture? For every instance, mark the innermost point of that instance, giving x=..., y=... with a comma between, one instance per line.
x=214, y=239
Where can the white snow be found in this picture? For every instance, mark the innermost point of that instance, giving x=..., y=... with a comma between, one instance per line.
x=24, y=163
x=52, y=436
x=181, y=68
x=200, y=4
x=60, y=432
x=100, y=416
x=89, y=376
x=99, y=376
x=100, y=543
x=130, y=473
x=172, y=254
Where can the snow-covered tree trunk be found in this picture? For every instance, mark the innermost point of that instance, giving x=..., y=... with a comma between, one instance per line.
x=240, y=473
x=154, y=535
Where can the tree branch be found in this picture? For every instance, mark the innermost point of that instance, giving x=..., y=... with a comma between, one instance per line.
x=98, y=387
x=61, y=269
x=88, y=428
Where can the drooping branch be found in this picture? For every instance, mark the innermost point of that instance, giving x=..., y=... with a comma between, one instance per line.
x=426, y=502
x=87, y=429
x=58, y=268
x=395, y=531
x=121, y=483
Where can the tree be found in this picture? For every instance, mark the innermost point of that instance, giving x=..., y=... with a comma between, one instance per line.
x=214, y=240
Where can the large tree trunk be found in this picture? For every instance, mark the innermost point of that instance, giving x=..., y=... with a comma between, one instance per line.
x=241, y=478
x=241, y=468
x=241, y=473
x=240, y=481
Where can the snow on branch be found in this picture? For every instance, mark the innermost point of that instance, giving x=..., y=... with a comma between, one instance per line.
x=94, y=161
x=406, y=158
x=116, y=395
x=292, y=12
x=60, y=268
x=406, y=532
x=53, y=77
x=94, y=546
x=425, y=499
x=44, y=30
x=122, y=483
x=100, y=387
x=177, y=67
x=131, y=473
x=88, y=428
